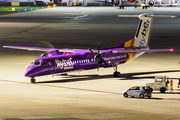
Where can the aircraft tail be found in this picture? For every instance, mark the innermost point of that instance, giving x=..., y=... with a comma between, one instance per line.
x=141, y=39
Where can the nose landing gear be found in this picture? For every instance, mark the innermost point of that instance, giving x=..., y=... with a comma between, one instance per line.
x=116, y=73
x=33, y=80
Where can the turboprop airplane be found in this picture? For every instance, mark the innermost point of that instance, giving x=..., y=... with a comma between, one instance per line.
x=55, y=61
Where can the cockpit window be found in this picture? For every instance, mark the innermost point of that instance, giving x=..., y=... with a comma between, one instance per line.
x=42, y=63
x=36, y=63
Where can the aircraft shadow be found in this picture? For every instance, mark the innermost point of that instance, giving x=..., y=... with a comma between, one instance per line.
x=126, y=76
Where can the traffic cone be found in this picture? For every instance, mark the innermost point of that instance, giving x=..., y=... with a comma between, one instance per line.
x=171, y=4
x=171, y=84
x=159, y=5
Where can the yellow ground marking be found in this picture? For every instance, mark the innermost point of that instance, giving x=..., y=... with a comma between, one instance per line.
x=151, y=114
x=47, y=29
x=86, y=76
x=15, y=38
x=152, y=70
x=69, y=78
x=167, y=68
x=14, y=83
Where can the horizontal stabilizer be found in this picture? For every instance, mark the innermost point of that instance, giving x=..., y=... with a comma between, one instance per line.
x=143, y=50
x=128, y=15
x=143, y=16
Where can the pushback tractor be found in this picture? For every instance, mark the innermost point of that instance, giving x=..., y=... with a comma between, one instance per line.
x=160, y=83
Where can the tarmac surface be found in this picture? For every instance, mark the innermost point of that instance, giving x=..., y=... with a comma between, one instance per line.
x=88, y=95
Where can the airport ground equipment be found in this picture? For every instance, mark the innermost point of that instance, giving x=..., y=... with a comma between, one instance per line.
x=138, y=91
x=160, y=83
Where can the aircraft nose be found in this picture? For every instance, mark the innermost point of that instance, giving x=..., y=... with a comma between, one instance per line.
x=29, y=72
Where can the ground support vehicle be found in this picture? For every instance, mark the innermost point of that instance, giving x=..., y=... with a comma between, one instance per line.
x=138, y=91
x=160, y=83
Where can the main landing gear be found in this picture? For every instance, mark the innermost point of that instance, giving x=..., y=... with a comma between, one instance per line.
x=33, y=80
x=116, y=73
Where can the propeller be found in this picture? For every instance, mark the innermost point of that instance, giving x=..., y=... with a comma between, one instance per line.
x=98, y=56
x=42, y=44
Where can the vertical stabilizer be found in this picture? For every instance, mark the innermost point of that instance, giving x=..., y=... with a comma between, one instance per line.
x=143, y=30
x=141, y=38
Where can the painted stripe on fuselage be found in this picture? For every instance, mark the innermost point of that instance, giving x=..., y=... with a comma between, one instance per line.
x=131, y=56
x=129, y=44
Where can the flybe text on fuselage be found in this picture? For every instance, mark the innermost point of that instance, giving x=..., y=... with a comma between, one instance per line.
x=144, y=33
x=63, y=63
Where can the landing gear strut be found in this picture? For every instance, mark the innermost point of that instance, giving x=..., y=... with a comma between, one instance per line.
x=116, y=73
x=33, y=80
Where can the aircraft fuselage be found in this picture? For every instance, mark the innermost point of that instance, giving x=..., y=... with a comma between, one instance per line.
x=72, y=62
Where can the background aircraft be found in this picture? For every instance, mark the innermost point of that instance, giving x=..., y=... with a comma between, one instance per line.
x=59, y=2
x=62, y=61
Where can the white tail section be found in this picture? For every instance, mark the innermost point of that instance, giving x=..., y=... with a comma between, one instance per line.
x=141, y=38
x=143, y=30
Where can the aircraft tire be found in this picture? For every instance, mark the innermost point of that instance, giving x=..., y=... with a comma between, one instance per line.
x=117, y=74
x=33, y=80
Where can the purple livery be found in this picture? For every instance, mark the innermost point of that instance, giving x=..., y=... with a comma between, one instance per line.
x=62, y=61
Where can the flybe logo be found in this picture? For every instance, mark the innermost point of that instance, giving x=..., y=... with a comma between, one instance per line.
x=144, y=33
x=64, y=63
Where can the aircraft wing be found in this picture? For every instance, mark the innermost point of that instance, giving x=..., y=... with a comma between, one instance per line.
x=143, y=50
x=37, y=48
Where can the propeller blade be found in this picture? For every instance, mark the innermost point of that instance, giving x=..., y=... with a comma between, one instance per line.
x=91, y=51
x=105, y=53
x=103, y=61
x=98, y=47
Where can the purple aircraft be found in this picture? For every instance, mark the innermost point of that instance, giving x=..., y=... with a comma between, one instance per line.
x=62, y=61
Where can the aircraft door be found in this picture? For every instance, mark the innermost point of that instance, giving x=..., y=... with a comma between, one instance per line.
x=53, y=66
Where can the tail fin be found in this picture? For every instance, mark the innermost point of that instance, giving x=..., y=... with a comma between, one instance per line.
x=142, y=33
x=141, y=38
